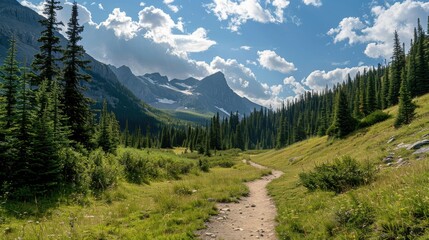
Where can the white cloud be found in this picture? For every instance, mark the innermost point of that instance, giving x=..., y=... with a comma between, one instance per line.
x=316, y=3
x=36, y=7
x=347, y=62
x=239, y=12
x=318, y=80
x=276, y=89
x=271, y=61
x=246, y=48
x=142, y=4
x=378, y=35
x=100, y=6
x=172, y=7
x=122, y=25
x=296, y=87
x=158, y=26
x=249, y=62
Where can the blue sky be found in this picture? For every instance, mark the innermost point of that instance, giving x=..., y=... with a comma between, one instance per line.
x=269, y=50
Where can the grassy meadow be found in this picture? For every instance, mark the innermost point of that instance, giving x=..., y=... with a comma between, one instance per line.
x=394, y=206
x=167, y=206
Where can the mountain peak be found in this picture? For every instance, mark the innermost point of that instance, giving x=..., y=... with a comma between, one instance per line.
x=157, y=77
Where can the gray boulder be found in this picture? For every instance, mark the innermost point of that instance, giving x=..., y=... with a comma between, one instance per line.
x=418, y=144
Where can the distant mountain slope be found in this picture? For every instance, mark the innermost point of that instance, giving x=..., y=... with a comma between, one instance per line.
x=207, y=96
x=22, y=22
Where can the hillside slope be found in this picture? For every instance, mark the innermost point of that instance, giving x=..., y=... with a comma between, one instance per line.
x=398, y=200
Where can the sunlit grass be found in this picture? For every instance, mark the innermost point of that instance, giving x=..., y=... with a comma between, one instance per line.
x=399, y=197
x=164, y=209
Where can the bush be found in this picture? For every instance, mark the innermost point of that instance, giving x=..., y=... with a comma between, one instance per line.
x=342, y=175
x=104, y=171
x=75, y=169
x=373, y=118
x=203, y=164
x=135, y=168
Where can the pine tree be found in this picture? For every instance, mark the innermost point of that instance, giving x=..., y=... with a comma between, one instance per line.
x=75, y=104
x=421, y=64
x=398, y=62
x=45, y=61
x=9, y=75
x=104, y=137
x=282, y=133
x=343, y=122
x=22, y=137
x=44, y=168
x=406, y=106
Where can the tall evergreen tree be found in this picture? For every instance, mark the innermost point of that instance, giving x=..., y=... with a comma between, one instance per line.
x=398, y=62
x=9, y=76
x=45, y=61
x=421, y=63
x=22, y=137
x=75, y=104
x=406, y=106
x=44, y=167
x=343, y=122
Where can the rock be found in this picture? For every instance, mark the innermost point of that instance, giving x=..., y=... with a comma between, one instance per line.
x=391, y=140
x=238, y=229
x=389, y=164
x=418, y=144
x=422, y=150
x=402, y=145
x=388, y=159
x=194, y=191
x=253, y=205
x=226, y=209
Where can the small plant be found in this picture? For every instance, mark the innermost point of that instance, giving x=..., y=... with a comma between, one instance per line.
x=356, y=217
x=344, y=174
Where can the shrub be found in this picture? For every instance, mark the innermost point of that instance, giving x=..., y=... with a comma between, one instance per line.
x=75, y=169
x=342, y=175
x=203, y=164
x=373, y=118
x=104, y=171
x=135, y=168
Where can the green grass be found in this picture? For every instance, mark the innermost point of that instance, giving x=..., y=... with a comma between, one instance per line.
x=164, y=209
x=398, y=199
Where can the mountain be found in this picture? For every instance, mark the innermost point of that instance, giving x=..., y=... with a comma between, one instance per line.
x=22, y=22
x=207, y=96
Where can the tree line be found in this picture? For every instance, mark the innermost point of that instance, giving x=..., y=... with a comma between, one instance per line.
x=353, y=103
x=43, y=110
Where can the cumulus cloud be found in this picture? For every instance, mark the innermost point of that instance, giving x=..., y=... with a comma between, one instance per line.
x=239, y=12
x=271, y=61
x=316, y=3
x=158, y=26
x=122, y=25
x=171, y=6
x=296, y=86
x=378, y=35
x=319, y=79
x=246, y=48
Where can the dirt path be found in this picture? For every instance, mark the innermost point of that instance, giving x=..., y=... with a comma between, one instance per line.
x=252, y=218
